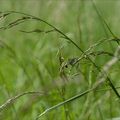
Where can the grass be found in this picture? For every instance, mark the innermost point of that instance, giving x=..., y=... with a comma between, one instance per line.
x=63, y=64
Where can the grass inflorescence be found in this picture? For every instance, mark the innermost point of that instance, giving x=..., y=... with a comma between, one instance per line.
x=69, y=76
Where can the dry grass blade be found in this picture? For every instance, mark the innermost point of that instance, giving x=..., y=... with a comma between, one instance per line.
x=108, y=65
x=13, y=99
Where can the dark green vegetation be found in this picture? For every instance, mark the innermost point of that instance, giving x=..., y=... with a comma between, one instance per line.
x=62, y=64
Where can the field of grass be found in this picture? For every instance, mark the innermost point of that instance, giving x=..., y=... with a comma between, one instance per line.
x=59, y=60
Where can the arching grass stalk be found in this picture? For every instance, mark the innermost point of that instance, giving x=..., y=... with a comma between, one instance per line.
x=69, y=39
x=13, y=99
x=70, y=100
x=112, y=61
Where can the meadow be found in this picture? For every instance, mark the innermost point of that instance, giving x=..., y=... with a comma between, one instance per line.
x=59, y=60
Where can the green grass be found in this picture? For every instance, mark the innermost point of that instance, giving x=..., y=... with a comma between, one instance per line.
x=35, y=80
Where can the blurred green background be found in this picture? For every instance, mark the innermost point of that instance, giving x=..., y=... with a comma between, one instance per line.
x=31, y=61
